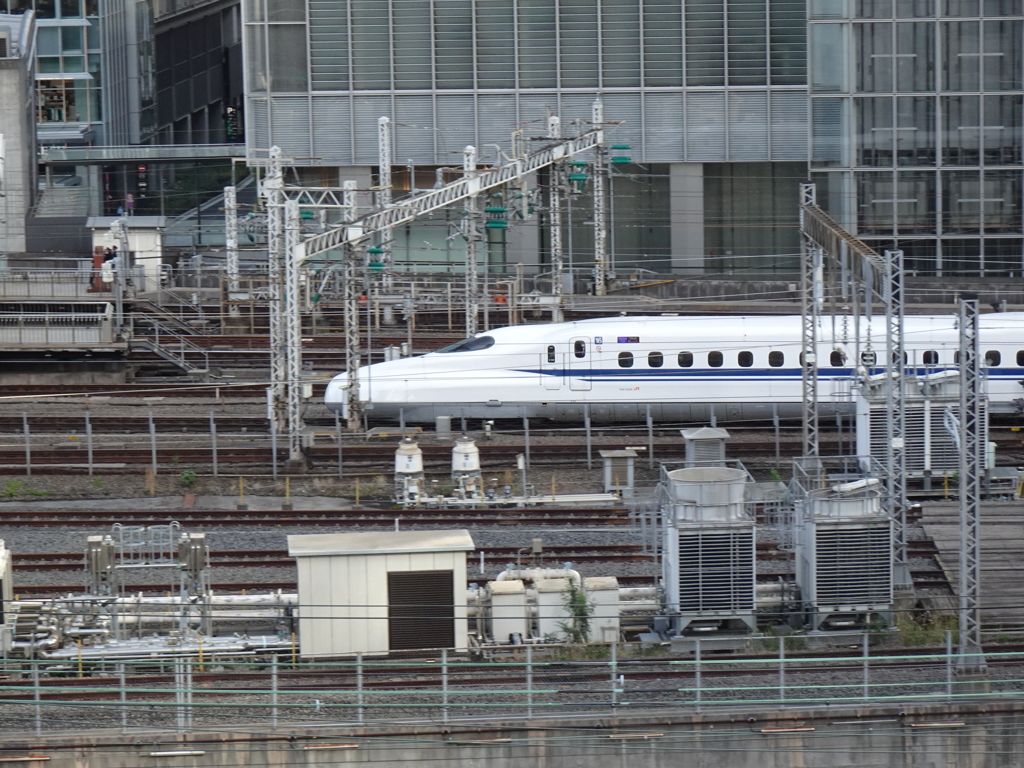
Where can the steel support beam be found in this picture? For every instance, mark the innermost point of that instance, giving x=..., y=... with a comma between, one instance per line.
x=471, y=233
x=810, y=278
x=384, y=202
x=600, y=210
x=972, y=454
x=556, y=178
x=231, y=246
x=291, y=311
x=273, y=196
x=895, y=426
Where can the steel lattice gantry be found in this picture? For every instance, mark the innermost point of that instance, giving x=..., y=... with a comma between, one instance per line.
x=972, y=447
x=351, y=237
x=827, y=248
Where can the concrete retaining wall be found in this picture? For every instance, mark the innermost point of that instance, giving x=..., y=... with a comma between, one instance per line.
x=986, y=736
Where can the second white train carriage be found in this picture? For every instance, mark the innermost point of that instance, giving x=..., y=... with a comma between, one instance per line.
x=681, y=367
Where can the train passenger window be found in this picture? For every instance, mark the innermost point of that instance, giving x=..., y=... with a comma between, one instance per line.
x=655, y=359
x=551, y=353
x=930, y=357
x=745, y=359
x=579, y=348
x=1020, y=357
x=905, y=359
x=686, y=360
x=867, y=358
x=956, y=357
x=715, y=359
x=469, y=345
x=992, y=357
x=837, y=359
x=625, y=359
x=776, y=358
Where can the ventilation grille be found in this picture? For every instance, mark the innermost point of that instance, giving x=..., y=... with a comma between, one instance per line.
x=945, y=459
x=421, y=610
x=853, y=565
x=716, y=571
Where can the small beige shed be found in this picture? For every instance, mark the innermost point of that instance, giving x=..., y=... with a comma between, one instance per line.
x=382, y=591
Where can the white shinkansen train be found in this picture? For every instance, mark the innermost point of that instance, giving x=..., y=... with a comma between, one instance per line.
x=681, y=367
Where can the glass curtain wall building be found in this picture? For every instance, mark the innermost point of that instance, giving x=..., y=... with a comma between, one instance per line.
x=711, y=95
x=917, y=128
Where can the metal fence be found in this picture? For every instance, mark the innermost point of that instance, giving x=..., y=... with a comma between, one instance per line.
x=520, y=682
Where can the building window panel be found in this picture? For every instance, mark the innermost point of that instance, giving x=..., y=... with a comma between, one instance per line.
x=1002, y=134
x=875, y=131
x=286, y=10
x=413, y=68
x=915, y=57
x=961, y=60
x=874, y=57
x=915, y=9
x=1003, y=7
x=329, y=44
x=748, y=41
x=71, y=9
x=828, y=57
x=915, y=202
x=961, y=257
x=496, y=56
x=1004, y=258
x=961, y=130
x=73, y=64
x=48, y=41
x=872, y=9
x=875, y=203
x=961, y=202
x=787, y=46
x=256, y=52
x=620, y=41
x=960, y=7
x=453, y=41
x=705, y=42
x=537, y=59
x=579, y=49
x=1000, y=201
x=72, y=40
x=915, y=130
x=663, y=34
x=1001, y=60
x=46, y=64
x=287, y=45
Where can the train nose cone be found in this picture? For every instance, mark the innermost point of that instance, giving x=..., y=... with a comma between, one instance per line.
x=335, y=397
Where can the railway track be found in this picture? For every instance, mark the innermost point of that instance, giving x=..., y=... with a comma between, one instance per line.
x=525, y=517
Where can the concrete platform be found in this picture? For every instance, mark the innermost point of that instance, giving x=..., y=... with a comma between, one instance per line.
x=1002, y=551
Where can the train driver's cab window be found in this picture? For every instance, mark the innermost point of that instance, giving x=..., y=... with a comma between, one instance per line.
x=579, y=348
x=837, y=359
x=625, y=359
x=655, y=359
x=992, y=357
x=776, y=359
x=551, y=353
x=745, y=359
x=930, y=357
x=469, y=345
x=715, y=359
x=686, y=359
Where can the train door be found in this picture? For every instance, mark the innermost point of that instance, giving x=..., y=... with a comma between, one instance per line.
x=551, y=367
x=578, y=364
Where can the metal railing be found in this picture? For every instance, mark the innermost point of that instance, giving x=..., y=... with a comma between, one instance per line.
x=174, y=347
x=515, y=682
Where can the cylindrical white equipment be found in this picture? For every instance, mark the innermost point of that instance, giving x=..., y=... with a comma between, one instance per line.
x=408, y=458
x=708, y=494
x=465, y=457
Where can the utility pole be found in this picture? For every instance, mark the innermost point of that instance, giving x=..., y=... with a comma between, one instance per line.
x=555, y=221
x=291, y=311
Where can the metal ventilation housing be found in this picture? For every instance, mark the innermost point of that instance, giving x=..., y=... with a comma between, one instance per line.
x=709, y=550
x=844, y=555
